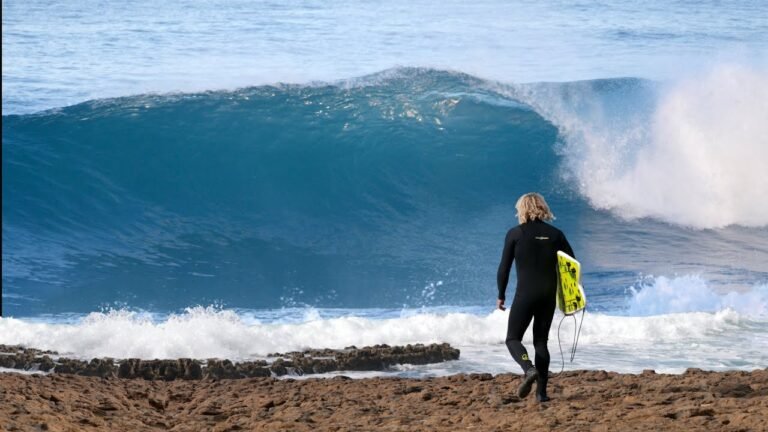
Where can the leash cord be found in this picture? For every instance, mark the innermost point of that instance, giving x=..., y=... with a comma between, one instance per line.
x=576, y=334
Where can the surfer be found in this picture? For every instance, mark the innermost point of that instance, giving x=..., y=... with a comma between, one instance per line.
x=533, y=246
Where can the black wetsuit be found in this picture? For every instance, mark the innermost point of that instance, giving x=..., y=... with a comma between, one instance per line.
x=533, y=247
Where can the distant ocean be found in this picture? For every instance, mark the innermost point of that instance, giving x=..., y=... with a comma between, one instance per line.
x=231, y=179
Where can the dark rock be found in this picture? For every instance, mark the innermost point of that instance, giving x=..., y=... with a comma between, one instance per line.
x=481, y=376
x=158, y=402
x=18, y=357
x=412, y=389
x=211, y=411
x=280, y=367
x=701, y=412
x=323, y=366
x=8, y=361
x=130, y=368
x=253, y=369
x=69, y=366
x=599, y=375
x=103, y=368
x=221, y=369
x=191, y=369
x=380, y=357
x=731, y=389
x=46, y=364
x=167, y=370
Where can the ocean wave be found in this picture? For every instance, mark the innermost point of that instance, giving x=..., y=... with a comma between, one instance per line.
x=267, y=195
x=358, y=193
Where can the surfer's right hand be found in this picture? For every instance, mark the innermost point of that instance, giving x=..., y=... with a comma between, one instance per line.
x=500, y=304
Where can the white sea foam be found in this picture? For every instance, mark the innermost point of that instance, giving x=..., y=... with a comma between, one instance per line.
x=689, y=293
x=720, y=331
x=698, y=159
x=207, y=332
x=23, y=372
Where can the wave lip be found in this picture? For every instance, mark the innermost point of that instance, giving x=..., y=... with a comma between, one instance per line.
x=690, y=152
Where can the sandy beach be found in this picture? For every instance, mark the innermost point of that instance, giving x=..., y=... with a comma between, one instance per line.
x=581, y=401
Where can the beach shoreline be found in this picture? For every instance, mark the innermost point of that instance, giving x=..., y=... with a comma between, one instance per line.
x=581, y=400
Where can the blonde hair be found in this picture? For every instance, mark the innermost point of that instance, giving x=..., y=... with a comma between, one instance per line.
x=532, y=206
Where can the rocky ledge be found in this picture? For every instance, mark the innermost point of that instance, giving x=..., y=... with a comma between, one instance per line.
x=374, y=358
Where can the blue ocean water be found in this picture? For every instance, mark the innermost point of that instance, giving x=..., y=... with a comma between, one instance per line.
x=166, y=193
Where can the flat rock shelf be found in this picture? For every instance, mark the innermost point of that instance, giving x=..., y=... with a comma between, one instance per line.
x=374, y=358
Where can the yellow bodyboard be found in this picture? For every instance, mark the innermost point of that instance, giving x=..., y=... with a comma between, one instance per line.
x=570, y=294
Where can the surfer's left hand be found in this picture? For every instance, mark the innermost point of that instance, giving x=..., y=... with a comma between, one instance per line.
x=500, y=304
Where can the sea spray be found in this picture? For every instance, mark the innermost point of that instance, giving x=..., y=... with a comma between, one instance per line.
x=690, y=151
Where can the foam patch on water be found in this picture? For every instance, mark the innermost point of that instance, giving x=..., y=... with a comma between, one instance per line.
x=23, y=372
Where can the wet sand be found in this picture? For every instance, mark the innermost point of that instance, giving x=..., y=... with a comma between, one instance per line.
x=581, y=401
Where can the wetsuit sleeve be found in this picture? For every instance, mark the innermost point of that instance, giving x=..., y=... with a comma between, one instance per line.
x=507, y=256
x=565, y=246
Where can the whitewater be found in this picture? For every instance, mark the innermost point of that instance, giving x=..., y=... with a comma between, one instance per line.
x=235, y=179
